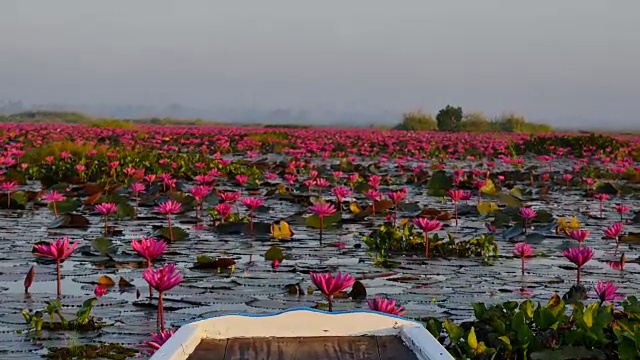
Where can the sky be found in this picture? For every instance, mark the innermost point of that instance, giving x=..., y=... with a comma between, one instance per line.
x=547, y=59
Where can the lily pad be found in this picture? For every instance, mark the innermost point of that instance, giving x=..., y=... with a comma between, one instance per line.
x=534, y=238
x=274, y=253
x=512, y=232
x=313, y=221
x=179, y=233
x=69, y=221
x=104, y=246
x=439, y=183
x=66, y=206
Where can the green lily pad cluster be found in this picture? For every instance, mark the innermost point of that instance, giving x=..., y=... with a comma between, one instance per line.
x=388, y=240
x=513, y=330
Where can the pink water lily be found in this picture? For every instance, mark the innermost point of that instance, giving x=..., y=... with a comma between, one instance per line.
x=456, y=196
x=330, y=285
x=106, y=209
x=527, y=214
x=53, y=197
x=252, y=203
x=100, y=291
x=322, y=210
x=149, y=248
x=580, y=235
x=163, y=279
x=385, y=305
x=427, y=226
x=606, y=291
x=58, y=250
x=158, y=339
x=578, y=256
x=523, y=251
x=169, y=207
x=613, y=232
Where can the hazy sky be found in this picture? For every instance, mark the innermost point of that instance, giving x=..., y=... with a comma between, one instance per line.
x=543, y=58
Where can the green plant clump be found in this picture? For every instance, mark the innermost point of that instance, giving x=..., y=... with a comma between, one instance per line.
x=513, y=330
x=389, y=239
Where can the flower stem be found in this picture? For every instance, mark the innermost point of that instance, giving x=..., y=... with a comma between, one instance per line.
x=170, y=228
x=150, y=288
x=330, y=303
x=426, y=244
x=58, y=277
x=455, y=209
x=251, y=222
x=160, y=311
x=578, y=277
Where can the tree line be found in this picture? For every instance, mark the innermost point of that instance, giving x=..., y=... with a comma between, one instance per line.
x=452, y=118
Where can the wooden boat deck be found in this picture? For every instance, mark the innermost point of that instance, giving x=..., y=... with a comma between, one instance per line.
x=310, y=348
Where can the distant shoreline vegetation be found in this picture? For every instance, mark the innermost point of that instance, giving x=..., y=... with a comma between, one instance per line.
x=454, y=119
x=447, y=119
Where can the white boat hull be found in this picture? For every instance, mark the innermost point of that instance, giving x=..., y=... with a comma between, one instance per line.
x=303, y=322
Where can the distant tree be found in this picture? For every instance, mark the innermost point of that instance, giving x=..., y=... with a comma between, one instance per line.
x=417, y=120
x=449, y=118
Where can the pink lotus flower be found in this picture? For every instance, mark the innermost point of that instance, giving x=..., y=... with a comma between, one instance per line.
x=387, y=306
x=578, y=256
x=290, y=179
x=523, y=250
x=579, y=235
x=169, y=207
x=231, y=197
x=330, y=285
x=455, y=196
x=322, y=209
x=567, y=178
x=601, y=198
x=589, y=182
x=340, y=192
x=106, y=209
x=269, y=176
x=527, y=214
x=621, y=209
x=159, y=339
x=427, y=226
x=224, y=210
x=137, y=188
x=100, y=291
x=242, y=179
x=275, y=264
x=252, y=203
x=28, y=280
x=53, y=197
x=199, y=193
x=57, y=250
x=149, y=248
x=162, y=279
x=374, y=181
x=352, y=179
x=613, y=232
x=373, y=195
x=9, y=187
x=618, y=265
x=606, y=291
